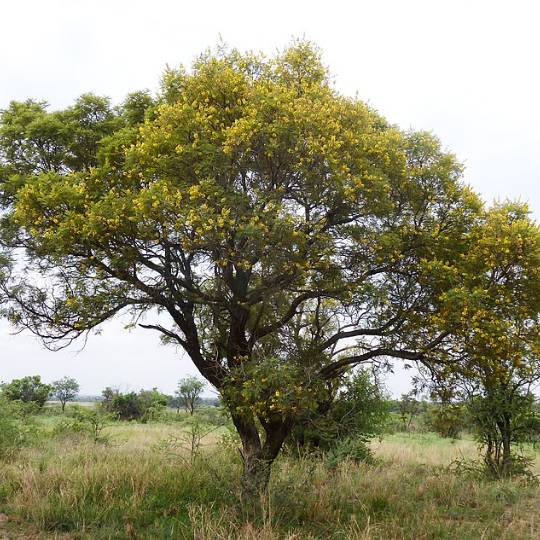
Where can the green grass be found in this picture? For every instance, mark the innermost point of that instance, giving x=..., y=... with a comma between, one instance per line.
x=67, y=487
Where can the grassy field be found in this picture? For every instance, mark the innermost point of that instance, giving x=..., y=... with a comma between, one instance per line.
x=143, y=482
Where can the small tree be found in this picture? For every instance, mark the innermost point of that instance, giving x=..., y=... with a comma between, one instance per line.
x=188, y=392
x=96, y=418
x=495, y=355
x=28, y=390
x=447, y=419
x=108, y=396
x=408, y=409
x=64, y=390
x=134, y=406
x=503, y=420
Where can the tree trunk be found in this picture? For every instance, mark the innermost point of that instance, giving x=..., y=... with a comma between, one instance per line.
x=257, y=456
x=505, y=428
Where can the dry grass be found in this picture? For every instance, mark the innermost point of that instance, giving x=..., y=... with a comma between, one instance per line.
x=68, y=487
x=426, y=450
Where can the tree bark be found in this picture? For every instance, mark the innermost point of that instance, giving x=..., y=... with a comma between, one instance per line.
x=258, y=456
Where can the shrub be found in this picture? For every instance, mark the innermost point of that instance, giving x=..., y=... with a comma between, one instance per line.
x=143, y=406
x=447, y=420
x=28, y=390
x=359, y=410
x=351, y=449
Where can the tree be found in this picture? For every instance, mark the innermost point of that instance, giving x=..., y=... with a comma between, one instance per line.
x=275, y=230
x=28, y=390
x=152, y=403
x=502, y=421
x=132, y=405
x=408, y=409
x=494, y=358
x=188, y=392
x=64, y=390
x=108, y=396
x=447, y=419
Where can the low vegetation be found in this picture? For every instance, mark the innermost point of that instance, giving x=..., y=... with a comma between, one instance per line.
x=85, y=475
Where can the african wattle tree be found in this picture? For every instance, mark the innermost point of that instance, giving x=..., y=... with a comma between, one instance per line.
x=275, y=230
x=494, y=358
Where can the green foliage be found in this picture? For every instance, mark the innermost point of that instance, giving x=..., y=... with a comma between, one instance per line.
x=409, y=408
x=34, y=140
x=503, y=421
x=29, y=390
x=494, y=352
x=188, y=392
x=142, y=406
x=348, y=449
x=272, y=389
x=10, y=431
x=359, y=410
x=64, y=390
x=92, y=419
x=447, y=419
x=151, y=403
x=362, y=405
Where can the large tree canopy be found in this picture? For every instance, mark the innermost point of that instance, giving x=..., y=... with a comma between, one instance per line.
x=275, y=230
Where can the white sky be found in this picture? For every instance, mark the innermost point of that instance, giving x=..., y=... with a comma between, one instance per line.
x=468, y=70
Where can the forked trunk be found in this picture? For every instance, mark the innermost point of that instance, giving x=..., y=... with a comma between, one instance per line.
x=505, y=428
x=258, y=456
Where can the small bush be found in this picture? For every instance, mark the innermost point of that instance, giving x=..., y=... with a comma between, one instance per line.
x=359, y=410
x=348, y=449
x=447, y=420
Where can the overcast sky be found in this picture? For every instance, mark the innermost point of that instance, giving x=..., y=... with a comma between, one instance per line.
x=467, y=70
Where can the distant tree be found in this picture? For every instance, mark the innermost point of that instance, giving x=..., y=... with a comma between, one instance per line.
x=126, y=406
x=134, y=406
x=408, y=409
x=28, y=390
x=64, y=390
x=108, y=396
x=447, y=419
x=188, y=392
x=151, y=402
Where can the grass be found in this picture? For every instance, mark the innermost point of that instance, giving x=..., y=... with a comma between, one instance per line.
x=131, y=487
